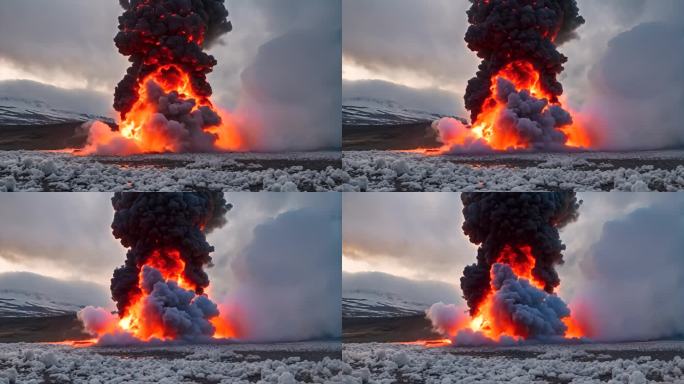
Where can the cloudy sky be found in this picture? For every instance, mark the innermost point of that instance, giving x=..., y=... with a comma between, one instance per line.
x=269, y=240
x=281, y=62
x=624, y=252
x=419, y=45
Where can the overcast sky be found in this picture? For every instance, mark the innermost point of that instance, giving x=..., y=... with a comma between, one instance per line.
x=418, y=235
x=420, y=44
x=68, y=236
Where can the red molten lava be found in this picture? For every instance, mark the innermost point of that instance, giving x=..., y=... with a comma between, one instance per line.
x=139, y=130
x=485, y=129
x=495, y=325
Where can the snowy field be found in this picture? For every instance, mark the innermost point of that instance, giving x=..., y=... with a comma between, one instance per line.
x=636, y=363
x=597, y=171
x=290, y=172
x=279, y=364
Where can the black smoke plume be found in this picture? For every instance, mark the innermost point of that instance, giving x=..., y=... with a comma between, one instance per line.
x=157, y=33
x=164, y=222
x=505, y=31
x=496, y=221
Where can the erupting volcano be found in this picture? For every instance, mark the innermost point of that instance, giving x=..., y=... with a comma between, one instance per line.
x=160, y=291
x=511, y=290
x=515, y=99
x=164, y=99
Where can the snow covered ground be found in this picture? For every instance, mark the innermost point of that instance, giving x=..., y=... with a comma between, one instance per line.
x=379, y=304
x=288, y=172
x=18, y=111
x=370, y=111
x=18, y=303
x=635, y=363
x=595, y=171
x=205, y=364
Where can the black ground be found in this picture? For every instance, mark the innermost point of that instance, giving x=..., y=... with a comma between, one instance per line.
x=388, y=137
x=41, y=329
x=387, y=329
x=42, y=137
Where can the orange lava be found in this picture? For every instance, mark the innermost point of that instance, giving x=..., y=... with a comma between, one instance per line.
x=438, y=343
x=76, y=343
x=139, y=133
x=525, y=77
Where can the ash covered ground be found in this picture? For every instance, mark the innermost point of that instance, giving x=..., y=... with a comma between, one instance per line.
x=308, y=362
x=286, y=172
x=637, y=363
x=661, y=171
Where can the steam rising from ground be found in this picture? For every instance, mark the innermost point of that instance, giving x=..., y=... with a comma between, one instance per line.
x=287, y=281
x=634, y=276
x=638, y=90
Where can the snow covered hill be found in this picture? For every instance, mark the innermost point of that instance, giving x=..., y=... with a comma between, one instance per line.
x=362, y=303
x=19, y=303
x=19, y=111
x=370, y=111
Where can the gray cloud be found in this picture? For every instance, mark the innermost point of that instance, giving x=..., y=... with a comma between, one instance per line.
x=428, y=99
x=415, y=232
x=66, y=37
x=66, y=232
x=385, y=35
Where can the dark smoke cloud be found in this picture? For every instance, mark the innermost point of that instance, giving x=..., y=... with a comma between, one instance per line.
x=498, y=220
x=158, y=33
x=504, y=31
x=147, y=222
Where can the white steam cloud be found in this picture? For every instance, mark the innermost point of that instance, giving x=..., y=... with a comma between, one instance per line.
x=288, y=280
x=637, y=90
x=635, y=277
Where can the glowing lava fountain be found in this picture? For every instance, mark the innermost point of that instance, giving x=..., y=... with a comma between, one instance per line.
x=511, y=290
x=161, y=290
x=515, y=99
x=164, y=99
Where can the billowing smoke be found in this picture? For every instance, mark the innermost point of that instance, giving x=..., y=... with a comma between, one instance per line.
x=158, y=33
x=181, y=313
x=288, y=279
x=637, y=89
x=166, y=231
x=633, y=276
x=534, y=313
x=503, y=32
x=516, y=226
x=291, y=92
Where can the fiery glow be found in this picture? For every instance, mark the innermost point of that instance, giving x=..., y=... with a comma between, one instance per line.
x=488, y=130
x=494, y=325
x=145, y=326
x=141, y=131
x=429, y=343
